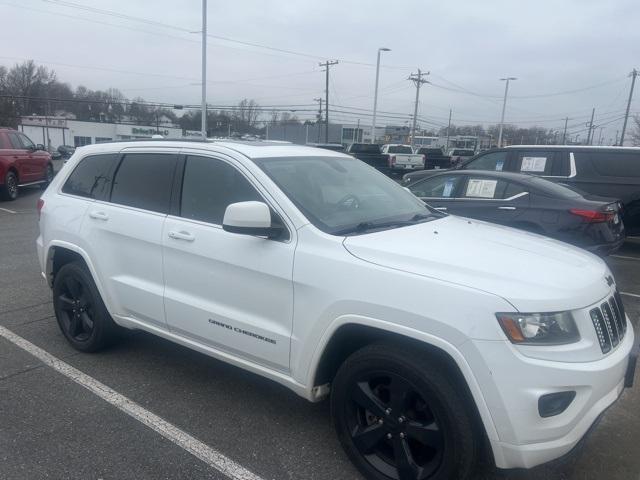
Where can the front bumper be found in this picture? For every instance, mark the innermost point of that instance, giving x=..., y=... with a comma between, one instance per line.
x=512, y=383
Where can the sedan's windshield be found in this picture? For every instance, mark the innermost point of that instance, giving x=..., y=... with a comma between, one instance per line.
x=344, y=196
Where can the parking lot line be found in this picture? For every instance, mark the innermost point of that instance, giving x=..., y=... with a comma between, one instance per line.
x=7, y=210
x=172, y=433
x=630, y=294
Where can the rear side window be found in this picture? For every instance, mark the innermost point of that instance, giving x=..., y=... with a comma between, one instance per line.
x=209, y=186
x=92, y=177
x=613, y=164
x=442, y=186
x=540, y=162
x=489, y=161
x=144, y=180
x=400, y=149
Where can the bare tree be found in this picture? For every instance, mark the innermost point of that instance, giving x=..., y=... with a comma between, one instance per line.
x=635, y=134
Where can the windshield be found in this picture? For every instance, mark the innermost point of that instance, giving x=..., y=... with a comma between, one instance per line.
x=342, y=196
x=400, y=149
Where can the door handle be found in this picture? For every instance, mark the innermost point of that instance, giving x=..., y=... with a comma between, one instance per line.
x=440, y=208
x=506, y=208
x=186, y=236
x=99, y=216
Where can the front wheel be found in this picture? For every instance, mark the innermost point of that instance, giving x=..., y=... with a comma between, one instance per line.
x=399, y=416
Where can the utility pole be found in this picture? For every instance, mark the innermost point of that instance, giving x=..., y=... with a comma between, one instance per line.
x=326, y=65
x=203, y=127
x=449, y=131
x=590, y=125
x=600, y=136
x=417, y=79
x=633, y=75
x=319, y=122
x=375, y=94
x=504, y=107
x=564, y=134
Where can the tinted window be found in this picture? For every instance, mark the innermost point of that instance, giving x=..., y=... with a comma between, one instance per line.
x=144, y=180
x=15, y=141
x=540, y=162
x=364, y=148
x=552, y=189
x=613, y=164
x=485, y=187
x=488, y=161
x=92, y=177
x=400, y=149
x=441, y=186
x=209, y=186
x=26, y=142
x=514, y=189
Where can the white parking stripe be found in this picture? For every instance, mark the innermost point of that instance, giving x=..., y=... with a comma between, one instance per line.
x=172, y=433
x=7, y=210
x=625, y=257
x=630, y=294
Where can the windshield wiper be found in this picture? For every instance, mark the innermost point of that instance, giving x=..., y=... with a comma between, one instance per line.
x=368, y=226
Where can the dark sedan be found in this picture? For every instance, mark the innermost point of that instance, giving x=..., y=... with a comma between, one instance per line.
x=528, y=203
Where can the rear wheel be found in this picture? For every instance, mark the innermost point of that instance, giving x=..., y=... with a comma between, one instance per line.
x=9, y=191
x=80, y=311
x=399, y=416
x=48, y=176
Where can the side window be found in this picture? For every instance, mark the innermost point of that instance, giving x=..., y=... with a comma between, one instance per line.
x=490, y=161
x=514, y=189
x=613, y=164
x=144, y=180
x=484, y=187
x=540, y=162
x=441, y=186
x=209, y=186
x=26, y=142
x=92, y=177
x=15, y=141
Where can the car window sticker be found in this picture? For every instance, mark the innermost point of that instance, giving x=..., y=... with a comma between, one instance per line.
x=499, y=165
x=448, y=188
x=481, y=188
x=533, y=164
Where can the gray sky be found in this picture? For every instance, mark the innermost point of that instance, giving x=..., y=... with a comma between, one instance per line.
x=551, y=46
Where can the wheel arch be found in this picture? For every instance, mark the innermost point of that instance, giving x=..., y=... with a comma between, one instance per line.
x=351, y=334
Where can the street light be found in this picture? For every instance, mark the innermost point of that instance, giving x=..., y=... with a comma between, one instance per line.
x=375, y=94
x=504, y=106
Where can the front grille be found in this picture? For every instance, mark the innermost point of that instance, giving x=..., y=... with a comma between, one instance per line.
x=610, y=322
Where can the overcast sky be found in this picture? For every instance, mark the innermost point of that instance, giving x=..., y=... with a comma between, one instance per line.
x=467, y=45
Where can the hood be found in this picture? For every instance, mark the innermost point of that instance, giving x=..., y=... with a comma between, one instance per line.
x=532, y=272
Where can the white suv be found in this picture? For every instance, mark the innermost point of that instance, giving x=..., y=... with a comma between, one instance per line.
x=432, y=334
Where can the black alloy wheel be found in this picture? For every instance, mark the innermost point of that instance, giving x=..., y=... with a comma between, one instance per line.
x=401, y=413
x=10, y=190
x=76, y=309
x=393, y=427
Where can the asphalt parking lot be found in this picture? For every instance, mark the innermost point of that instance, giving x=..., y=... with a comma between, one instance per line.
x=51, y=427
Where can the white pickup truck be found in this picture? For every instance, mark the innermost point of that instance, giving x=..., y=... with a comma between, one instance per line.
x=401, y=157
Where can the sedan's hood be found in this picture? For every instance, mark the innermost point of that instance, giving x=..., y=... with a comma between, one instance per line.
x=530, y=271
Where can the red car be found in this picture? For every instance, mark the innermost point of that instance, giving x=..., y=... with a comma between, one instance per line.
x=21, y=163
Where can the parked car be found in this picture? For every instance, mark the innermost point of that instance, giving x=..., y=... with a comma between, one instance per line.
x=401, y=158
x=434, y=158
x=607, y=171
x=22, y=163
x=460, y=155
x=310, y=268
x=528, y=203
x=66, y=151
x=371, y=154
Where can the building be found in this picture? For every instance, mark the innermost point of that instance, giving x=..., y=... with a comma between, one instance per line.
x=359, y=133
x=55, y=131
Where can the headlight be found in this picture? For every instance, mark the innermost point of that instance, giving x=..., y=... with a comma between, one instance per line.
x=539, y=328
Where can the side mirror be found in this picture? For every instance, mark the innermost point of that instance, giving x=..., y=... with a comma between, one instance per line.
x=250, y=218
x=39, y=146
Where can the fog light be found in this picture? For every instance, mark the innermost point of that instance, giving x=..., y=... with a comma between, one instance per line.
x=554, y=403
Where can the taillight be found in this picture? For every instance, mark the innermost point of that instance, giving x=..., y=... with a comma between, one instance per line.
x=39, y=207
x=593, y=216
x=392, y=160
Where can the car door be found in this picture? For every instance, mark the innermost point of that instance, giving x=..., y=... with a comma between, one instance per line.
x=492, y=199
x=33, y=159
x=20, y=157
x=124, y=234
x=439, y=191
x=232, y=292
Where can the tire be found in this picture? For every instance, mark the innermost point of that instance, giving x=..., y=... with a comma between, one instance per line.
x=426, y=429
x=80, y=311
x=48, y=176
x=9, y=191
